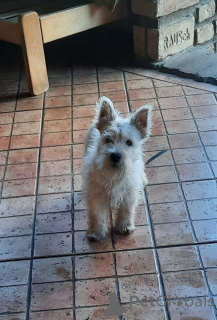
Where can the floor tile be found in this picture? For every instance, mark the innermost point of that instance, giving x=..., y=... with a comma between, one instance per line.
x=25, y=141
x=55, y=184
x=115, y=96
x=57, y=125
x=11, y=316
x=3, y=157
x=143, y=286
x=212, y=280
x=214, y=167
x=77, y=166
x=6, y=118
x=111, y=86
x=57, y=114
x=5, y=130
x=77, y=180
x=189, y=155
x=135, y=104
x=174, y=91
x=54, y=203
x=56, y=138
x=184, y=283
x=157, y=143
x=138, y=94
x=54, y=222
x=168, y=212
x=21, y=171
x=94, y=266
x=79, y=136
x=82, y=245
x=194, y=171
x=180, y=126
x=172, y=102
x=83, y=111
x=164, y=193
x=87, y=78
x=191, y=311
x=208, y=254
x=178, y=258
x=173, y=233
x=28, y=116
x=85, y=99
x=14, y=273
x=135, y=262
x=29, y=104
x=7, y=106
x=144, y=83
x=66, y=314
x=59, y=91
x=201, y=100
x=184, y=140
x=55, y=168
x=55, y=153
x=148, y=311
x=207, y=124
x=78, y=151
x=4, y=143
x=164, y=159
x=209, y=138
x=80, y=220
x=23, y=156
x=202, y=209
x=110, y=76
x=51, y=296
x=17, y=206
x=162, y=174
x=16, y=226
x=203, y=112
x=15, y=247
x=140, y=238
x=93, y=292
x=21, y=187
x=82, y=123
x=53, y=244
x=205, y=230
x=57, y=102
x=199, y=189
x=52, y=270
x=13, y=299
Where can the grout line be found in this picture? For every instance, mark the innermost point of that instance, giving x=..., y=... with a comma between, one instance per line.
x=29, y=288
x=72, y=201
x=156, y=259
x=176, y=82
x=126, y=91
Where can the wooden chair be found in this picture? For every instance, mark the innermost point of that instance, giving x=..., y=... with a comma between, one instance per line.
x=32, y=23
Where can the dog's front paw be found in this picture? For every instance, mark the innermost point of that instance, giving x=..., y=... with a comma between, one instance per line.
x=125, y=228
x=96, y=235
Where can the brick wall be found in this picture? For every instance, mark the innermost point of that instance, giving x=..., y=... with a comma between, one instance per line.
x=166, y=27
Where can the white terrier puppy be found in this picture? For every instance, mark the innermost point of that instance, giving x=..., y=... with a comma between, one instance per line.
x=113, y=168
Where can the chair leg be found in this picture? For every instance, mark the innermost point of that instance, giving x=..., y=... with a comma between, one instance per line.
x=33, y=53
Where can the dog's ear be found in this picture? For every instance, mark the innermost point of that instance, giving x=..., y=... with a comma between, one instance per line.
x=105, y=113
x=142, y=120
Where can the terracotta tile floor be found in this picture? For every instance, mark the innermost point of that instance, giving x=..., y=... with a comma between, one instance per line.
x=48, y=269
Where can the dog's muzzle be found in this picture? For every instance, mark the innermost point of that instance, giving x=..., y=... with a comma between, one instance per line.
x=115, y=157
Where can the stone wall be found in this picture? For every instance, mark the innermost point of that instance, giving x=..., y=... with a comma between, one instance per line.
x=166, y=27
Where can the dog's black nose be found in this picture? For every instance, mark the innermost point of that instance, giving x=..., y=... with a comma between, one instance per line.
x=115, y=157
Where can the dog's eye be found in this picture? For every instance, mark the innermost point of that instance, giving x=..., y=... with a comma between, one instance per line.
x=108, y=140
x=129, y=143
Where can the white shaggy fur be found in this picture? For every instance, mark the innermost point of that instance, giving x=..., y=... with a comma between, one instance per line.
x=113, y=169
